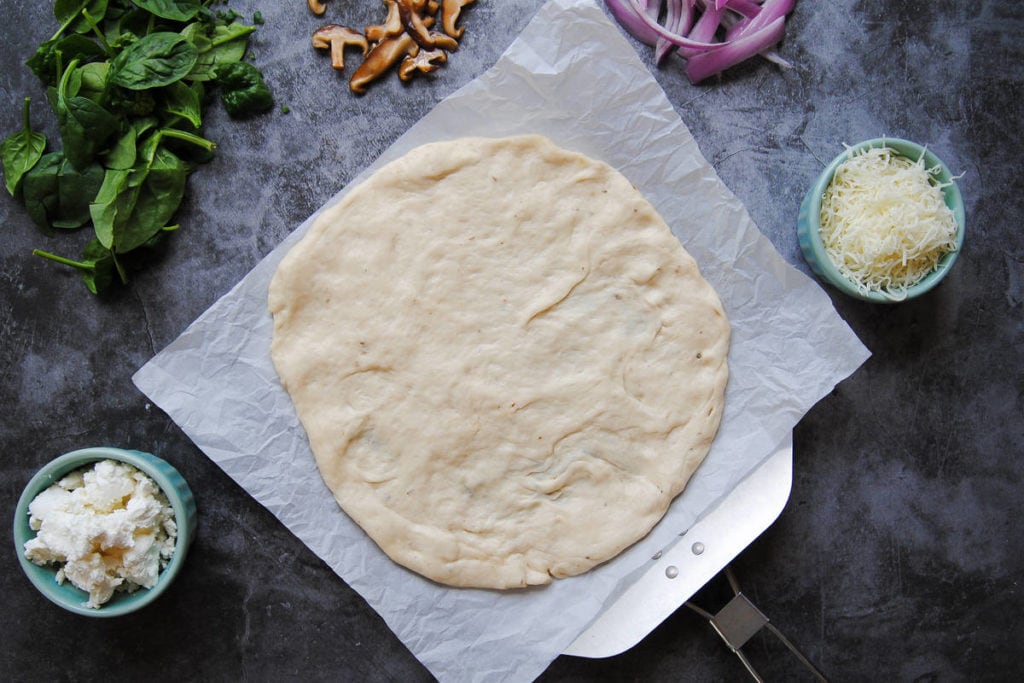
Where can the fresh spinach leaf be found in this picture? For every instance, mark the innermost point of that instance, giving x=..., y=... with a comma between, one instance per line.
x=127, y=28
x=115, y=201
x=224, y=44
x=21, y=151
x=187, y=144
x=184, y=101
x=130, y=104
x=71, y=82
x=157, y=60
x=92, y=79
x=112, y=206
x=69, y=13
x=58, y=195
x=159, y=196
x=98, y=266
x=176, y=10
x=103, y=267
x=40, y=189
x=118, y=8
x=243, y=91
x=44, y=63
x=75, y=191
x=85, y=126
x=226, y=37
x=123, y=153
x=133, y=205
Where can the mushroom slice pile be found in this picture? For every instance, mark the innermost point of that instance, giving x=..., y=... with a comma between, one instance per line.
x=405, y=38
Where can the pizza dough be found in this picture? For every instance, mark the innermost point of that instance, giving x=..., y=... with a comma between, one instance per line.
x=506, y=365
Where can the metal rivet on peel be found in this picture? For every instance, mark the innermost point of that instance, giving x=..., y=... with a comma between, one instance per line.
x=657, y=556
x=697, y=548
x=671, y=571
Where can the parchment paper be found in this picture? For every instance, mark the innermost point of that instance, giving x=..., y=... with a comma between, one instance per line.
x=572, y=76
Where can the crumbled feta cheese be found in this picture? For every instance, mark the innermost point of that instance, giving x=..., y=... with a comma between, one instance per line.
x=108, y=526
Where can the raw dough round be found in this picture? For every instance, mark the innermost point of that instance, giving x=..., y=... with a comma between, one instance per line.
x=506, y=364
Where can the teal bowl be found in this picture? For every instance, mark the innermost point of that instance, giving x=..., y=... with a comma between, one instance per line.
x=68, y=596
x=808, y=228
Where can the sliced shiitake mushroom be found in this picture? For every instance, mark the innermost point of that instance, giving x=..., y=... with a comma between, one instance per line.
x=381, y=57
x=336, y=38
x=317, y=7
x=443, y=41
x=413, y=23
x=450, y=11
x=423, y=61
x=392, y=25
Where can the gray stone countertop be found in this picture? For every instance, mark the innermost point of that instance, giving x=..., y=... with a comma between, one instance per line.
x=899, y=553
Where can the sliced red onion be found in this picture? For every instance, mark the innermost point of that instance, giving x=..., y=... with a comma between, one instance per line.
x=736, y=26
x=701, y=66
x=747, y=8
x=750, y=27
x=704, y=30
x=775, y=58
x=628, y=12
x=770, y=11
x=632, y=20
x=678, y=18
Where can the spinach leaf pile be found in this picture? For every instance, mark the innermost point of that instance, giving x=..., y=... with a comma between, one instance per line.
x=127, y=81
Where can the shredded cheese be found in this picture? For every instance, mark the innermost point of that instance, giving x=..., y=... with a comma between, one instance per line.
x=884, y=221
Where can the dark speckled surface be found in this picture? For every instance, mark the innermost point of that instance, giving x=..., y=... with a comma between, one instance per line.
x=899, y=554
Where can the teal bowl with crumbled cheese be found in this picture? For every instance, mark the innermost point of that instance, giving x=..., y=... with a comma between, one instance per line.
x=71, y=598
x=809, y=227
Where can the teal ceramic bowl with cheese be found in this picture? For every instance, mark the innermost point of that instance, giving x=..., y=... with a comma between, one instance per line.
x=66, y=595
x=809, y=226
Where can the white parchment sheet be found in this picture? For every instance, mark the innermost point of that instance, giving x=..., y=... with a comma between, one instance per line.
x=572, y=76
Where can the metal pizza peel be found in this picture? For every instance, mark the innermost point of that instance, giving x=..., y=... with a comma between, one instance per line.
x=701, y=552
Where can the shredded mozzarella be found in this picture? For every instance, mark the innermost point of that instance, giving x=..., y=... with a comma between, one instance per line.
x=884, y=221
